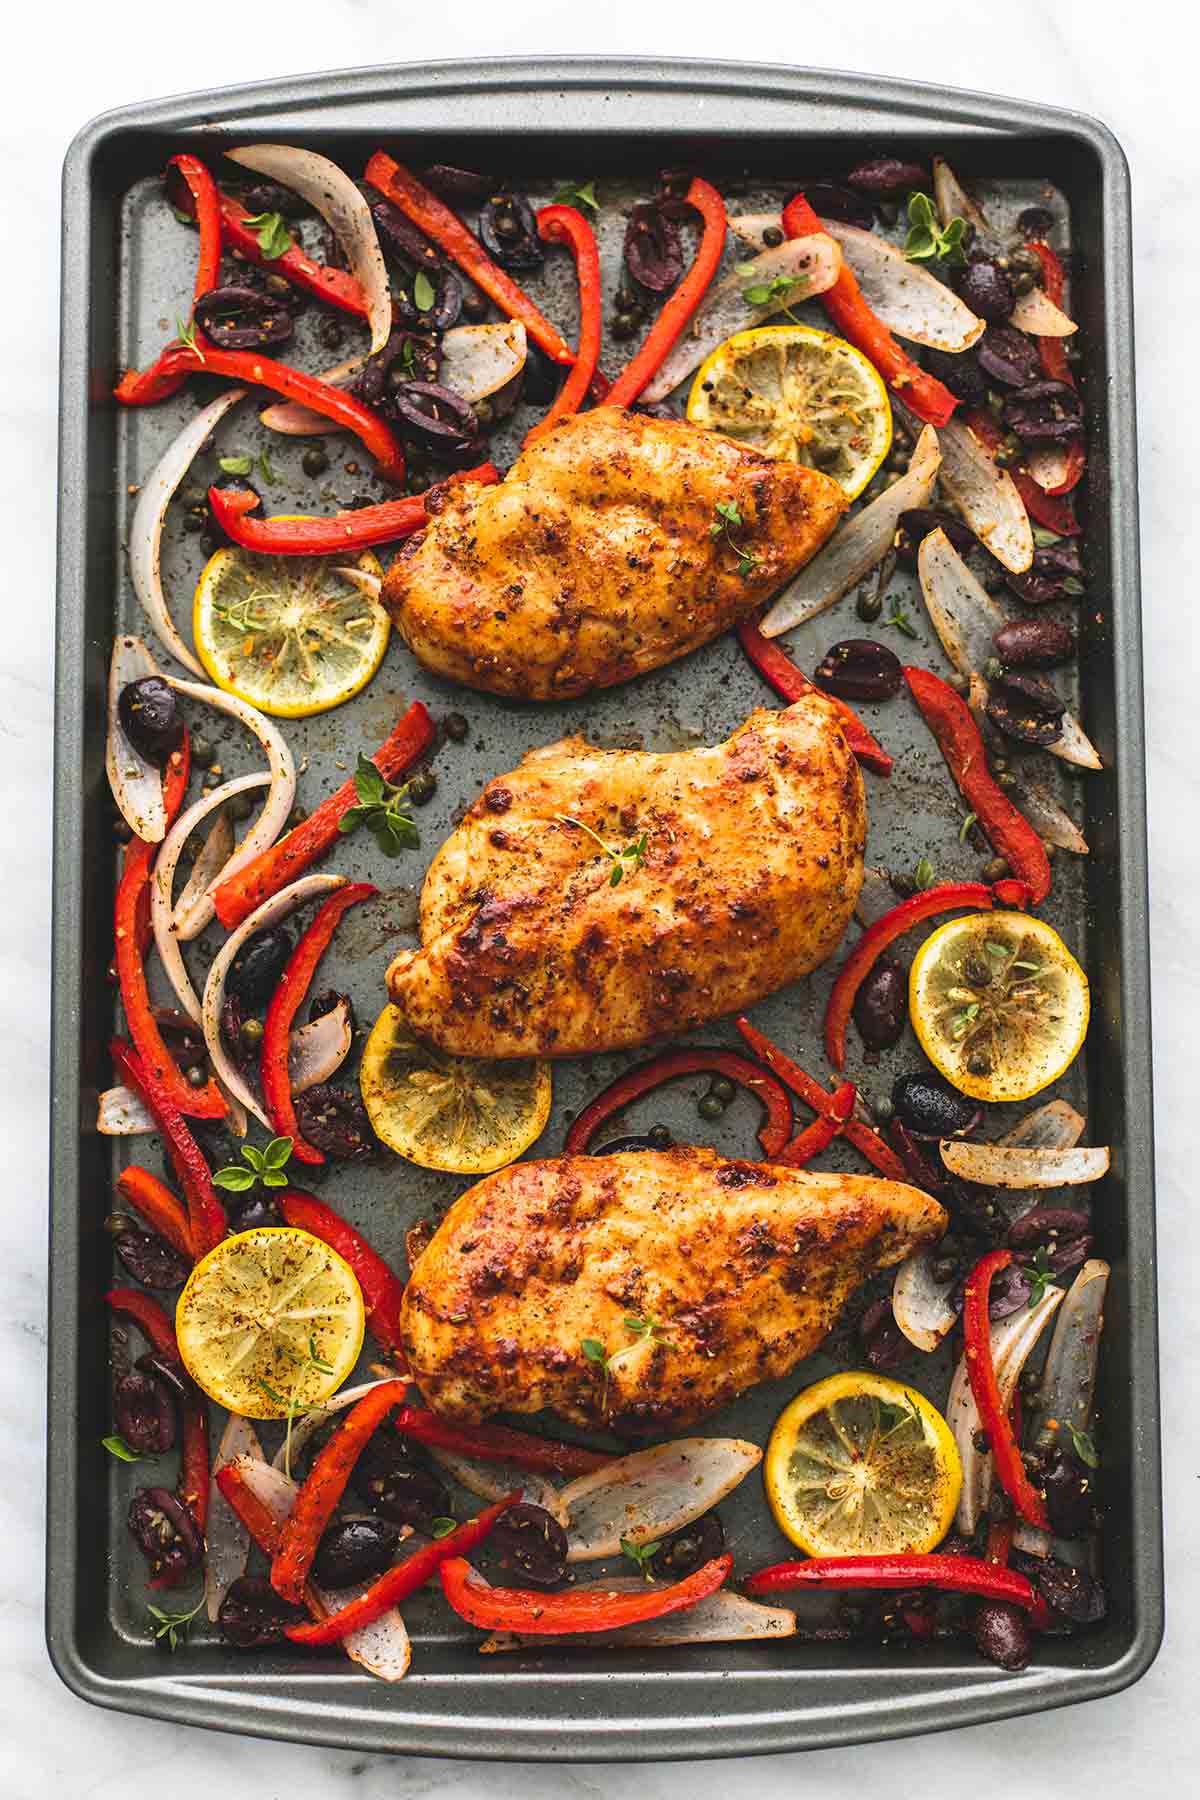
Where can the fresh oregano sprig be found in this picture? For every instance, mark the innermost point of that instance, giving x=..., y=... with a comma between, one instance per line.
x=266, y=1166
x=729, y=520
x=928, y=240
x=274, y=238
x=382, y=807
x=173, y=1625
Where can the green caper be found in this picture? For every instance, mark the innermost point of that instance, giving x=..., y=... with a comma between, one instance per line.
x=993, y=668
x=978, y=1063
x=1006, y=458
x=314, y=461
x=456, y=727
x=977, y=972
x=241, y=806
x=252, y=1031
x=1026, y=262
x=1006, y=779
x=709, y=1107
x=624, y=325
x=196, y=1076
x=882, y=1109
x=194, y=497
x=772, y=237
x=474, y=303
x=723, y=1089
x=202, y=751
x=118, y=1223
x=421, y=787
x=868, y=607
x=997, y=869
x=1024, y=283
x=484, y=412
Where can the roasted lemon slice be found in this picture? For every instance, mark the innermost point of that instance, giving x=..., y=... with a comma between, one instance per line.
x=860, y=1465
x=456, y=1113
x=287, y=633
x=800, y=395
x=999, y=1004
x=270, y=1322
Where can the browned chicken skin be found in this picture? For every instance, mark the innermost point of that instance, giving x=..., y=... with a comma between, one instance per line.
x=749, y=872
x=595, y=559
x=745, y=1266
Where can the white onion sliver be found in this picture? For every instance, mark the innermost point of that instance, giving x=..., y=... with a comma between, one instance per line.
x=493, y=1481
x=295, y=420
x=216, y=851
x=812, y=264
x=1051, y=821
x=1074, y=746
x=304, y=1426
x=1069, y=1377
x=1055, y=1126
x=953, y=202
x=1048, y=464
x=331, y=192
x=858, y=544
x=163, y=912
x=227, y=1542
x=477, y=360
x=652, y=1492
x=269, y=913
x=1015, y=1166
x=362, y=579
x=316, y=1051
x=908, y=299
x=271, y=820
x=135, y=782
x=1036, y=314
x=1012, y=1341
x=382, y=1647
x=920, y=1303
x=122, y=1113
x=986, y=495
x=145, y=530
x=721, y=1618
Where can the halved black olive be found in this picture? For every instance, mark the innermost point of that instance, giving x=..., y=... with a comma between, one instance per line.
x=830, y=200
x=440, y=419
x=1056, y=574
x=689, y=1548
x=165, y=1532
x=931, y=1108
x=1036, y=643
x=960, y=372
x=151, y=1260
x=1009, y=355
x=255, y=970
x=1026, y=707
x=243, y=318
x=144, y=1414
x=150, y=717
x=354, y=1550
x=1045, y=412
x=407, y=356
x=986, y=288
x=883, y=176
x=859, y=669
x=919, y=521
x=458, y=184
x=532, y=1542
x=653, y=247
x=881, y=1005
x=252, y=1614
x=336, y=1121
x=509, y=231
x=1002, y=1634
x=392, y=1478
x=882, y=1340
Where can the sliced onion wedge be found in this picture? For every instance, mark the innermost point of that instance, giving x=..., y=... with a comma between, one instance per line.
x=720, y=1618
x=227, y=1542
x=1055, y=1126
x=122, y=1113
x=809, y=265
x=1047, y=817
x=316, y=1051
x=478, y=360
x=163, y=912
x=145, y=530
x=330, y=192
x=652, y=1492
x=1075, y=746
x=752, y=227
x=293, y=419
x=216, y=851
x=904, y=296
x=493, y=1481
x=857, y=545
x=363, y=580
x=1036, y=313
x=1069, y=1377
x=271, y=820
x=136, y=784
x=953, y=202
x=986, y=496
x=269, y=913
x=922, y=1304
x=1013, y=1340
x=1015, y=1166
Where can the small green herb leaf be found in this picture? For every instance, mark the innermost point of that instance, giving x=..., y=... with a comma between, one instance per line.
x=572, y=194
x=927, y=240
x=318, y=1362
x=234, y=1180
x=116, y=1446
x=173, y=1625
x=266, y=1166
x=265, y=468
x=999, y=951
x=1040, y=1273
x=900, y=619
x=641, y=1554
x=965, y=827
x=594, y=1350
x=728, y=517
x=382, y=808
x=443, y=1527
x=277, y=1152
x=1085, y=1449
x=274, y=238
x=1043, y=538
x=235, y=465
x=424, y=292
x=924, y=874
x=185, y=331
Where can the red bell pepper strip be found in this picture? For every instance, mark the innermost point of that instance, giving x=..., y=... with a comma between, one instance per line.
x=326, y=1483
x=566, y=225
x=981, y=1371
x=945, y=897
x=445, y=228
x=128, y=914
x=204, y=206
x=1052, y=351
x=683, y=302
x=905, y=1569
x=382, y=1290
x=1008, y=831
x=286, y=1001
x=237, y=897
x=1054, y=512
x=258, y=1519
x=790, y=683
x=337, y=286
x=206, y=1216
x=773, y=1133
x=157, y=1205
x=150, y=1319
x=824, y=1128
x=344, y=532
x=848, y=310
x=256, y=370
x=869, y=1143
x=499, y=1443
x=1076, y=464
x=401, y=1580
x=594, y=1609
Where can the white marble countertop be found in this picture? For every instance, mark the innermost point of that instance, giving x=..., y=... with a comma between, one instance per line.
x=1095, y=55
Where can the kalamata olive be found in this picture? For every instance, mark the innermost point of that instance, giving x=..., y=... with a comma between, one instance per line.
x=165, y=1532
x=882, y=1340
x=144, y=1414
x=1009, y=1292
x=618, y=1146
x=335, y=1120
x=653, y=247
x=150, y=718
x=974, y=1208
x=919, y=521
x=250, y=1212
x=687, y=1549
x=986, y=288
x=883, y=176
x=1036, y=643
x=1035, y=221
x=394, y=1482
x=243, y=318
x=151, y=1260
x=1026, y=708
x=1045, y=412
x=532, y=1543
x=355, y=1550
x=326, y=1000
x=881, y=1005
x=1071, y=1592
x=859, y=669
x=830, y=200
x=253, y=1615
x=398, y=233
x=960, y=372
x=255, y=970
x=458, y=184
x=183, y=1038
x=931, y=1108
x=170, y=1372
x=1046, y=1223
x=1001, y=1633
x=1070, y=1490
x=270, y=197
x=1056, y=574
x=1009, y=355
x=509, y=231
x=440, y=420
x=407, y=355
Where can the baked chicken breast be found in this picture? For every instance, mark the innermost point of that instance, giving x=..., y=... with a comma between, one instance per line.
x=740, y=1268
x=602, y=554
x=596, y=899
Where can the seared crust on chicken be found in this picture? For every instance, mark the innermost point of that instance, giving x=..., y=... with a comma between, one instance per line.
x=744, y=1267
x=745, y=868
x=595, y=559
